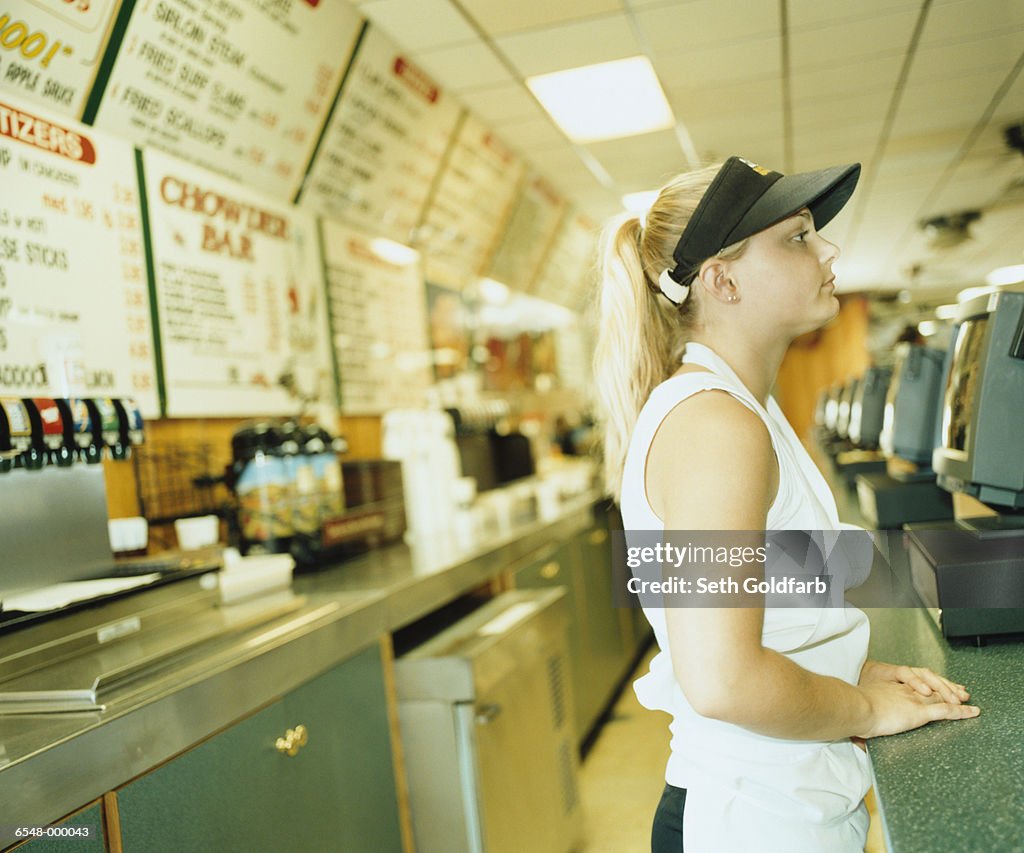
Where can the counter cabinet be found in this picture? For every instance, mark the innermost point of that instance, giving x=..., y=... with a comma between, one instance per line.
x=265, y=783
x=604, y=639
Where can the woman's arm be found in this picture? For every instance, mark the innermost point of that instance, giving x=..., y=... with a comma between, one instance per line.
x=712, y=467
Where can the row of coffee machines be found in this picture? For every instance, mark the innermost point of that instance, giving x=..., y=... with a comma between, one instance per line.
x=40, y=431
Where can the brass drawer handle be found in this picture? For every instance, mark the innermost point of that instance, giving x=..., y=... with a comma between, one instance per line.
x=597, y=537
x=293, y=741
x=486, y=713
x=550, y=570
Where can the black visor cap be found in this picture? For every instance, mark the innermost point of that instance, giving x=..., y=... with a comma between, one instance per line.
x=745, y=198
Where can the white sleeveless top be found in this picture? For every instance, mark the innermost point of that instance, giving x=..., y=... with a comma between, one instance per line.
x=747, y=791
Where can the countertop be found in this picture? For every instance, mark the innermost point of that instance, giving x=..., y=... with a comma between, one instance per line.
x=51, y=764
x=953, y=785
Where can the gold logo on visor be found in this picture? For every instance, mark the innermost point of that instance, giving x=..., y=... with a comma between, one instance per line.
x=761, y=170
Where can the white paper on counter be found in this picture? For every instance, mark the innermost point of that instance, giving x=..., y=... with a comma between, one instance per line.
x=62, y=594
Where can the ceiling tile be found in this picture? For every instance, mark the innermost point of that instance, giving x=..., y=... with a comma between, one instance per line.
x=975, y=88
x=506, y=16
x=701, y=24
x=956, y=21
x=500, y=105
x=749, y=60
x=829, y=142
x=948, y=61
x=532, y=134
x=847, y=42
x=570, y=45
x=837, y=81
x=809, y=14
x=1011, y=108
x=465, y=67
x=649, y=159
x=420, y=24
x=865, y=107
x=694, y=103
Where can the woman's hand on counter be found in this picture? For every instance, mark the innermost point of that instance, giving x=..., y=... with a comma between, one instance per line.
x=921, y=679
x=897, y=705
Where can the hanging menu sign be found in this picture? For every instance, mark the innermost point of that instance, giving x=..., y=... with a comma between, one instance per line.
x=239, y=293
x=239, y=86
x=379, y=323
x=384, y=144
x=528, y=235
x=74, y=313
x=50, y=49
x=564, y=273
x=469, y=205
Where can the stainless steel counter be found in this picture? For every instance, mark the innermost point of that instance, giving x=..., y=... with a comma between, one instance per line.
x=50, y=764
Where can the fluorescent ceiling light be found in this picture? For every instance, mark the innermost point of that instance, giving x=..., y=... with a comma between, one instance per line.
x=604, y=101
x=639, y=203
x=1006, y=275
x=393, y=253
x=947, y=312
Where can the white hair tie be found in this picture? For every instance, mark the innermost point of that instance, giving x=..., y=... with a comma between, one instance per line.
x=672, y=289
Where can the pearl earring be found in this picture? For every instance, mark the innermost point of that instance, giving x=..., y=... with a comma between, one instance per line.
x=733, y=297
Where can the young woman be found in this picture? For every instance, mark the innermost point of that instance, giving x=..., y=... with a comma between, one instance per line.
x=770, y=706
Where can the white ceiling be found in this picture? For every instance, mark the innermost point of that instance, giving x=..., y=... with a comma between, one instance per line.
x=919, y=91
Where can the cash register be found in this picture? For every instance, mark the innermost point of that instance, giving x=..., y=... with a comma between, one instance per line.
x=970, y=572
x=910, y=415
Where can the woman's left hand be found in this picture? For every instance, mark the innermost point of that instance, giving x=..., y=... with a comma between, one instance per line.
x=921, y=679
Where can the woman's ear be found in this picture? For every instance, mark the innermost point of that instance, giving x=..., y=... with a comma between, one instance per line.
x=715, y=279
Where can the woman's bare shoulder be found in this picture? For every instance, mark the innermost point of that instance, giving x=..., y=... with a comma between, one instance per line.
x=711, y=450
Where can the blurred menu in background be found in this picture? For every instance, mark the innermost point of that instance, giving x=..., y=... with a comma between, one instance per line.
x=50, y=50
x=528, y=235
x=378, y=321
x=239, y=86
x=239, y=292
x=563, y=277
x=383, y=145
x=69, y=210
x=469, y=205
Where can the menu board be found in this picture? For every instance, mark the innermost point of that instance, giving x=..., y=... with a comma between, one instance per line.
x=239, y=293
x=239, y=86
x=384, y=144
x=449, y=329
x=50, y=50
x=528, y=235
x=469, y=205
x=379, y=324
x=74, y=315
x=564, y=273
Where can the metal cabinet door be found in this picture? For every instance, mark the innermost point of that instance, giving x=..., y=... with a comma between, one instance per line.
x=526, y=760
x=241, y=790
x=557, y=567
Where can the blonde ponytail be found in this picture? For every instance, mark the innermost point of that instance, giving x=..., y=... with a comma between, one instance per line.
x=641, y=335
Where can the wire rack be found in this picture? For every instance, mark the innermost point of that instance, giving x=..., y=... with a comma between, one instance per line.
x=176, y=481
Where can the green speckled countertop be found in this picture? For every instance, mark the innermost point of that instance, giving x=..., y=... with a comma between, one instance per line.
x=953, y=785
